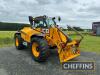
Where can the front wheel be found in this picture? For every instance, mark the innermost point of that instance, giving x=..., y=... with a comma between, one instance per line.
x=40, y=49
x=19, y=42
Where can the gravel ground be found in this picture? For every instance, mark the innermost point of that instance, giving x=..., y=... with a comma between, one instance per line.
x=19, y=62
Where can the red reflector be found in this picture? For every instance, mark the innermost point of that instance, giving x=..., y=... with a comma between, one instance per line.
x=78, y=51
x=63, y=45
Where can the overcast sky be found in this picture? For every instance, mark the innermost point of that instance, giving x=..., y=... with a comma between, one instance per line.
x=73, y=12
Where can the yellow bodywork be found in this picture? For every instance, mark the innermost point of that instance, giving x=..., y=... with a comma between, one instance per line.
x=27, y=32
x=55, y=37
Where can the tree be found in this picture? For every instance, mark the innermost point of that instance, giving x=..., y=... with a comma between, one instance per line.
x=78, y=28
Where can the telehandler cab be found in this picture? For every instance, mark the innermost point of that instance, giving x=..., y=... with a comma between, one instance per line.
x=44, y=33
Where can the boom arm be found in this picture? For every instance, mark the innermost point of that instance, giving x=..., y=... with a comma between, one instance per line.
x=65, y=48
x=77, y=33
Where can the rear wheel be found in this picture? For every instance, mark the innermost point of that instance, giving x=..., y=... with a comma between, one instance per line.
x=19, y=42
x=40, y=49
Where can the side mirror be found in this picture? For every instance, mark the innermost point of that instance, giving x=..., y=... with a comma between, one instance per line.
x=53, y=18
x=59, y=18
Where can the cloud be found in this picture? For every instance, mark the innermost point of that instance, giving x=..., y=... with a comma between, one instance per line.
x=74, y=12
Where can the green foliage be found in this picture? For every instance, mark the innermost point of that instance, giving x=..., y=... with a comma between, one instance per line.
x=64, y=29
x=11, y=26
x=76, y=28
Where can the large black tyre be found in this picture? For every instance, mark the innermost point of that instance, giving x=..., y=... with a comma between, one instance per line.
x=19, y=42
x=42, y=49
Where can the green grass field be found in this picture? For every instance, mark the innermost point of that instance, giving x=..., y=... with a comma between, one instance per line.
x=89, y=43
x=6, y=38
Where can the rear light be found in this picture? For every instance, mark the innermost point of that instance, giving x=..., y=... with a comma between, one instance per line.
x=63, y=45
x=77, y=44
x=78, y=51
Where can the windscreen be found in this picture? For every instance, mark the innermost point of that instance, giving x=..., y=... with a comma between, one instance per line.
x=50, y=22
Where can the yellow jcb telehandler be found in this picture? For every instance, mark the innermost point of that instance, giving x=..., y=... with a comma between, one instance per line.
x=43, y=33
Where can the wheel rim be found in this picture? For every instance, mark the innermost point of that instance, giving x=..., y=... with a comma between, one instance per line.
x=34, y=50
x=17, y=43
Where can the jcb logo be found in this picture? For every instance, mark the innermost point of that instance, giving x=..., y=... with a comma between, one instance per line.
x=45, y=30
